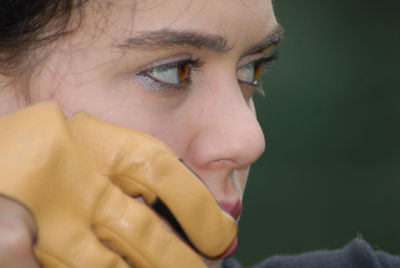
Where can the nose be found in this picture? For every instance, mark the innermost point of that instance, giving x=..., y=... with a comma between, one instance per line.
x=228, y=135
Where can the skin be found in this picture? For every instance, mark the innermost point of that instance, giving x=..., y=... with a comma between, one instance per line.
x=211, y=124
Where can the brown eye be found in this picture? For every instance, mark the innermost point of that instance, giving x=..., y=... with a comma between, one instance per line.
x=183, y=72
x=175, y=73
x=249, y=72
x=257, y=71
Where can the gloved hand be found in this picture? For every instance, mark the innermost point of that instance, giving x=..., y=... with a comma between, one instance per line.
x=78, y=176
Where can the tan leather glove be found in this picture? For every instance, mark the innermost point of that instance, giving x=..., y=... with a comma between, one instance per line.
x=69, y=174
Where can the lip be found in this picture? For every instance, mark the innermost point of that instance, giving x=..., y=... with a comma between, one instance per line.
x=233, y=208
x=231, y=249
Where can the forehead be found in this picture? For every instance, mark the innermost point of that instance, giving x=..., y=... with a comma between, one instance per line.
x=235, y=20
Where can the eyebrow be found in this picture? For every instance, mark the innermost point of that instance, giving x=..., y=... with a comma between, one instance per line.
x=171, y=38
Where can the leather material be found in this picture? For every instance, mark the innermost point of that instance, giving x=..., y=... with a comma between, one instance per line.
x=77, y=176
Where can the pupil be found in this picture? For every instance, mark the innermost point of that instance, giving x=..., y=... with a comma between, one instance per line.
x=183, y=70
x=257, y=71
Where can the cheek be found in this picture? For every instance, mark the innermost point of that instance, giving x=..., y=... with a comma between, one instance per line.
x=124, y=108
x=118, y=101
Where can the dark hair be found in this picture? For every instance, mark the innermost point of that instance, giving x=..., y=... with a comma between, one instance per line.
x=28, y=24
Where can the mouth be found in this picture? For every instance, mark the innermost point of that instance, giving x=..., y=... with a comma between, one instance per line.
x=234, y=209
x=230, y=250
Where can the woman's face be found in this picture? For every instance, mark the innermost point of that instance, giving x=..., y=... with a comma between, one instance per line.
x=179, y=70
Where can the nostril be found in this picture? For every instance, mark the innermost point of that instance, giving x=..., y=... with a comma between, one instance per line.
x=223, y=164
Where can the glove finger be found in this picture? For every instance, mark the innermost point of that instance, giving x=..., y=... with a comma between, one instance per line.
x=134, y=231
x=87, y=251
x=147, y=164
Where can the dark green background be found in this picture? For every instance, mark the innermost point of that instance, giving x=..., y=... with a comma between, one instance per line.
x=331, y=170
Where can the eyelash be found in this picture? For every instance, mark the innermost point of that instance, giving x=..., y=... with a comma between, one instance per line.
x=193, y=64
x=266, y=64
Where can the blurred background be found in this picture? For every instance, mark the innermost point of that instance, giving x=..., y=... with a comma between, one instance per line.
x=331, y=117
